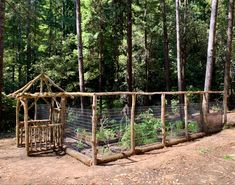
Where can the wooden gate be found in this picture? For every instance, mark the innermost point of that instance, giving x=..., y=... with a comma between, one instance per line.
x=42, y=136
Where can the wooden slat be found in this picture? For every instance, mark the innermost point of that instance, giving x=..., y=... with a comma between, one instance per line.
x=186, y=115
x=17, y=123
x=163, y=114
x=132, y=123
x=94, y=124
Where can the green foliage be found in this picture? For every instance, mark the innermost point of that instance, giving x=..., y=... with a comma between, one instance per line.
x=193, y=127
x=145, y=131
x=8, y=113
x=80, y=145
x=82, y=131
x=105, y=134
x=228, y=157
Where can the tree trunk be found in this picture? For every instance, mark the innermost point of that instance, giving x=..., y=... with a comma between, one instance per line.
x=184, y=44
x=80, y=51
x=2, y=10
x=129, y=49
x=146, y=52
x=227, y=68
x=179, y=62
x=210, y=53
x=178, y=39
x=28, y=36
x=166, y=51
x=101, y=58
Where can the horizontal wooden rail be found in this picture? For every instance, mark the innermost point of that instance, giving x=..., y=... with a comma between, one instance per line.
x=87, y=94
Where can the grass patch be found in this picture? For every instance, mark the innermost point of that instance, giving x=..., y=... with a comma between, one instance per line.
x=228, y=157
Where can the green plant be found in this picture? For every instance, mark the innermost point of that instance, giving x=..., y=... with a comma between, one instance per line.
x=179, y=125
x=228, y=157
x=105, y=134
x=193, y=126
x=82, y=131
x=145, y=131
x=79, y=145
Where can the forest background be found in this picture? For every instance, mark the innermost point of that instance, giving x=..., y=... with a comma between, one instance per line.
x=112, y=45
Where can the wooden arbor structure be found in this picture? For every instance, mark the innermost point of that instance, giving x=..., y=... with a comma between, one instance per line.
x=40, y=135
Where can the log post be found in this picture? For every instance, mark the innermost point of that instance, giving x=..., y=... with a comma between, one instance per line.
x=204, y=110
x=163, y=114
x=26, y=126
x=52, y=119
x=94, y=124
x=225, y=107
x=63, y=118
x=35, y=109
x=186, y=115
x=17, y=123
x=132, y=123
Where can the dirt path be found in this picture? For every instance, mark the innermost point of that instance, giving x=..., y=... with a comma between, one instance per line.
x=210, y=160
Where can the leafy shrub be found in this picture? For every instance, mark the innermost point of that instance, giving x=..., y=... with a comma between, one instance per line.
x=145, y=131
x=105, y=134
x=193, y=127
x=8, y=112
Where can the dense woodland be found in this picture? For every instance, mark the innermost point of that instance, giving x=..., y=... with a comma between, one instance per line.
x=117, y=45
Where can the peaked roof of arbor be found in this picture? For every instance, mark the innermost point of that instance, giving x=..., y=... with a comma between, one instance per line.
x=45, y=84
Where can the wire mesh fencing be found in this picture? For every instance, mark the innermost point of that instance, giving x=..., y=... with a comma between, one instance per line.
x=113, y=131
x=98, y=130
x=78, y=129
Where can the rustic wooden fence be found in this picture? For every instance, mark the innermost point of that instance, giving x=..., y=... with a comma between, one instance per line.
x=204, y=118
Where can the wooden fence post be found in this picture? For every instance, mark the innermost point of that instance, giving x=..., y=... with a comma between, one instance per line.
x=17, y=122
x=63, y=118
x=35, y=109
x=26, y=126
x=225, y=106
x=163, y=113
x=205, y=109
x=186, y=115
x=94, y=125
x=132, y=122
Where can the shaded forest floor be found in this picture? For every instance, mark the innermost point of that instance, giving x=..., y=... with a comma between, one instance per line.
x=210, y=160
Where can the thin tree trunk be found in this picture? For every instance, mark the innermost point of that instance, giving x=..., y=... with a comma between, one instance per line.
x=210, y=53
x=179, y=62
x=227, y=68
x=129, y=49
x=184, y=44
x=28, y=36
x=166, y=52
x=2, y=10
x=19, y=51
x=80, y=50
x=146, y=46
x=63, y=18
x=116, y=37
x=178, y=38
x=101, y=58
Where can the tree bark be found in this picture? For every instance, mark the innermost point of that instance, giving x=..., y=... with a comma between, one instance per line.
x=146, y=51
x=179, y=62
x=129, y=49
x=28, y=36
x=101, y=57
x=178, y=38
x=227, y=67
x=80, y=50
x=2, y=18
x=166, y=51
x=184, y=44
x=210, y=53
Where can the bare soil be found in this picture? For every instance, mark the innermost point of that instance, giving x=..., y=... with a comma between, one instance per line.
x=210, y=160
